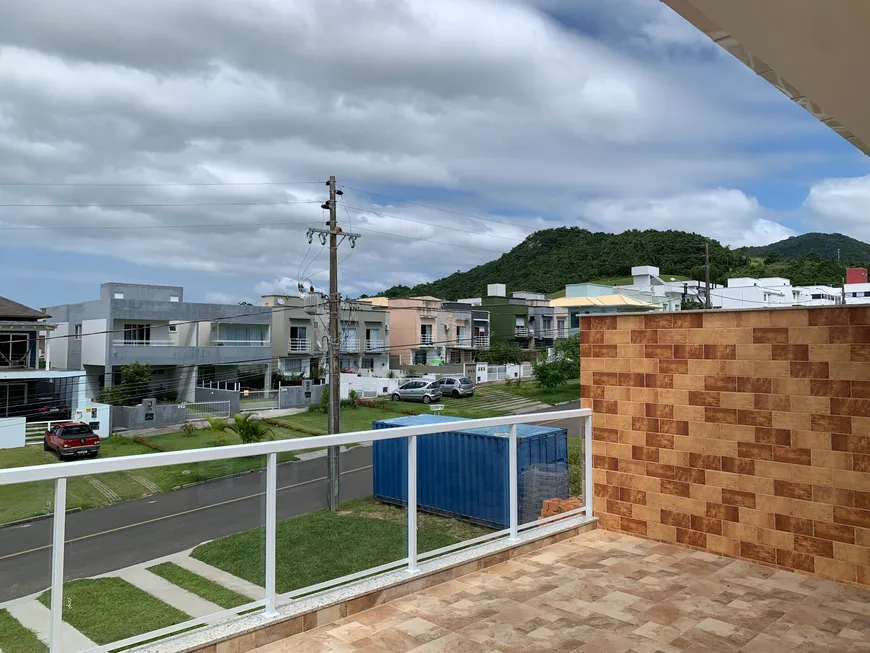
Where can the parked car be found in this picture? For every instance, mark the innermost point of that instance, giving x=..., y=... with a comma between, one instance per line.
x=418, y=390
x=456, y=386
x=71, y=439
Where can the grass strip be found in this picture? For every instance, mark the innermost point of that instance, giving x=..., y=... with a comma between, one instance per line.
x=110, y=609
x=15, y=638
x=203, y=587
x=324, y=545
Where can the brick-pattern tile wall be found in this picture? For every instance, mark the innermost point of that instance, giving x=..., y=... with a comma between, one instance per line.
x=745, y=433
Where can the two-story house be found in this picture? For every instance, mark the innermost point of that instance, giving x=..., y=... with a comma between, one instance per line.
x=30, y=387
x=184, y=342
x=428, y=331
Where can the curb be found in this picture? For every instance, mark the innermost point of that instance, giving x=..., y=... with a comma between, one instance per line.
x=28, y=520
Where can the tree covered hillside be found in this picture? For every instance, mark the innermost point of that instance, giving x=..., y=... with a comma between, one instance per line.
x=549, y=259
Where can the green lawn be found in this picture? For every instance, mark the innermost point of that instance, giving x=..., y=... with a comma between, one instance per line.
x=202, y=587
x=322, y=545
x=530, y=390
x=107, y=610
x=15, y=638
x=32, y=499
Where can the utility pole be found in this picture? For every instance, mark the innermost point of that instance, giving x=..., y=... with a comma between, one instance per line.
x=707, y=302
x=333, y=420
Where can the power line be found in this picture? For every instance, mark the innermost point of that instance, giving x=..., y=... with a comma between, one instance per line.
x=452, y=228
x=103, y=205
x=222, y=225
x=435, y=208
x=87, y=184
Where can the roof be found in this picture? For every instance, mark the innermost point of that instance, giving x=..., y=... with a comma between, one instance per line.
x=604, y=300
x=426, y=298
x=375, y=301
x=10, y=310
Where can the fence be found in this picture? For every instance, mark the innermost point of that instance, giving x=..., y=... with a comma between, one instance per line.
x=221, y=385
x=59, y=475
x=197, y=410
x=34, y=431
x=257, y=399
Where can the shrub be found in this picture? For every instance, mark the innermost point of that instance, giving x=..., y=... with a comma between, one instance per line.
x=188, y=429
x=217, y=424
x=250, y=429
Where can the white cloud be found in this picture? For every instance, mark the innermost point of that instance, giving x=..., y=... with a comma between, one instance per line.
x=728, y=215
x=490, y=106
x=841, y=205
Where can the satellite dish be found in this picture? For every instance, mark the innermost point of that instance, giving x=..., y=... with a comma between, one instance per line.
x=281, y=301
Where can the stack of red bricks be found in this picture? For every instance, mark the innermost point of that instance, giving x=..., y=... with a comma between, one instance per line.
x=555, y=507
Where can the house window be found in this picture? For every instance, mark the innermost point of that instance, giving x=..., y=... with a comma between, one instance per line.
x=173, y=298
x=173, y=328
x=78, y=331
x=368, y=363
x=137, y=334
x=419, y=358
x=292, y=366
x=119, y=295
x=14, y=348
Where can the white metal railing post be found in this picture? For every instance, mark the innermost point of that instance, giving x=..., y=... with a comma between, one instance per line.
x=587, y=471
x=57, y=544
x=512, y=482
x=412, y=504
x=271, y=531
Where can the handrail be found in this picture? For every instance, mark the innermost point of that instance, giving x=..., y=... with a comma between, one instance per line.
x=59, y=473
x=162, y=458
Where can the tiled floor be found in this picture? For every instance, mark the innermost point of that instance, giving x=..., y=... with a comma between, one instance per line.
x=606, y=593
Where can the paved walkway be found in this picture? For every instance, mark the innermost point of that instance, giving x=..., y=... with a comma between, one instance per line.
x=34, y=616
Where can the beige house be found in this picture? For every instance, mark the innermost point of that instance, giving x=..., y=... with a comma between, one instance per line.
x=428, y=331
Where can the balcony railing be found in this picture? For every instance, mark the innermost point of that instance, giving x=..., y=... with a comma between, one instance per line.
x=59, y=474
x=299, y=345
x=426, y=341
x=561, y=334
x=481, y=341
x=374, y=345
x=239, y=343
x=463, y=342
x=350, y=344
x=545, y=334
x=144, y=343
x=522, y=332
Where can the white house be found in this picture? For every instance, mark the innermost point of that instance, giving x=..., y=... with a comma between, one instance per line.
x=748, y=292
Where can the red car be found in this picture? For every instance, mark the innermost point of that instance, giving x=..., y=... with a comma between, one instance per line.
x=70, y=439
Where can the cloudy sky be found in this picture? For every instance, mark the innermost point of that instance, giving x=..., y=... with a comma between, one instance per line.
x=188, y=141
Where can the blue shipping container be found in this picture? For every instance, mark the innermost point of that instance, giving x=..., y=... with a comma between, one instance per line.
x=462, y=473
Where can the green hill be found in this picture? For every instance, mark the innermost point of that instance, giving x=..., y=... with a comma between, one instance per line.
x=829, y=247
x=549, y=259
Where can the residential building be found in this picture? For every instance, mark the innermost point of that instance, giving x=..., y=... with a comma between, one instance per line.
x=184, y=342
x=668, y=294
x=546, y=323
x=748, y=292
x=295, y=347
x=30, y=384
x=856, y=289
x=594, y=298
x=509, y=316
x=428, y=331
x=365, y=337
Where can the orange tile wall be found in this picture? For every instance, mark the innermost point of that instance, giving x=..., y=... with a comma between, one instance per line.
x=745, y=433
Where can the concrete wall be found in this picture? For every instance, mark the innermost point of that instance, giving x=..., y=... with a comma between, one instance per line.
x=93, y=342
x=739, y=432
x=294, y=396
x=209, y=394
x=12, y=432
x=133, y=417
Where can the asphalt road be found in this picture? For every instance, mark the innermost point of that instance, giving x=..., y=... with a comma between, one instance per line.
x=105, y=539
x=124, y=534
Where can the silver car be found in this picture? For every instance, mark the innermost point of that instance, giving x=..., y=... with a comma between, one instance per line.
x=457, y=386
x=418, y=390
